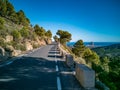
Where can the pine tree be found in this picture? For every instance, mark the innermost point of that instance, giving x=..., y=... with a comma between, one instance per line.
x=48, y=34
x=78, y=48
x=3, y=8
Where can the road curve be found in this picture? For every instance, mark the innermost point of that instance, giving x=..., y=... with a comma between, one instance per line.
x=37, y=71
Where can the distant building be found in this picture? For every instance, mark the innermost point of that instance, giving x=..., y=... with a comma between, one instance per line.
x=91, y=45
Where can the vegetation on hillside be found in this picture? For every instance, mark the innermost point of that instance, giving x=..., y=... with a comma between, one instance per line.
x=7, y=10
x=109, y=69
x=110, y=51
x=90, y=56
x=56, y=39
x=104, y=60
x=17, y=24
x=16, y=31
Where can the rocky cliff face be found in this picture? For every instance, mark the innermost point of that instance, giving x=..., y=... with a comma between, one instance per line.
x=28, y=46
x=9, y=51
x=17, y=38
x=48, y=41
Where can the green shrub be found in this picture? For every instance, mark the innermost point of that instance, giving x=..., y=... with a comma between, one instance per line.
x=35, y=46
x=3, y=32
x=16, y=35
x=21, y=47
x=2, y=43
x=17, y=46
x=24, y=33
x=1, y=22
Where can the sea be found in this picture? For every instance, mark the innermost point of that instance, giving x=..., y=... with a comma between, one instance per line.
x=96, y=44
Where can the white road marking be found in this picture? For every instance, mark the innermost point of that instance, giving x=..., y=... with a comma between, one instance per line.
x=64, y=72
x=57, y=68
x=58, y=78
x=6, y=80
x=55, y=58
x=59, y=83
x=9, y=63
x=6, y=63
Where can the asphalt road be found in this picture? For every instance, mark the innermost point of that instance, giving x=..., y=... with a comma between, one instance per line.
x=36, y=71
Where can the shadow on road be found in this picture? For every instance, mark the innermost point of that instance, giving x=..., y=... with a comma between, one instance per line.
x=31, y=73
x=28, y=73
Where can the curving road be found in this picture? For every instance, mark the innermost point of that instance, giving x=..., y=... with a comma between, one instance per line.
x=36, y=71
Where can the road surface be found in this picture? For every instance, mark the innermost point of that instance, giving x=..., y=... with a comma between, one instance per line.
x=37, y=71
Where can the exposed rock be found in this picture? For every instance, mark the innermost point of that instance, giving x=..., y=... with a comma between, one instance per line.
x=9, y=38
x=9, y=48
x=48, y=41
x=42, y=42
x=37, y=42
x=8, y=51
x=2, y=51
x=16, y=52
x=28, y=46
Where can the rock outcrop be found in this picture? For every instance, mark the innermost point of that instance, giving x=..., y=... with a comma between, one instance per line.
x=10, y=51
x=48, y=41
x=28, y=46
x=2, y=51
x=8, y=38
x=16, y=52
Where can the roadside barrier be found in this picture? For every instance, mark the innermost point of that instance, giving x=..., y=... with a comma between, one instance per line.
x=69, y=61
x=84, y=74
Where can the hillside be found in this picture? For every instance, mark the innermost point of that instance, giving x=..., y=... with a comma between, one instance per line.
x=17, y=34
x=108, y=71
x=110, y=51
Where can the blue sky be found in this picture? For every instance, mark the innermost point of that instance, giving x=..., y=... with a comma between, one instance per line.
x=90, y=20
